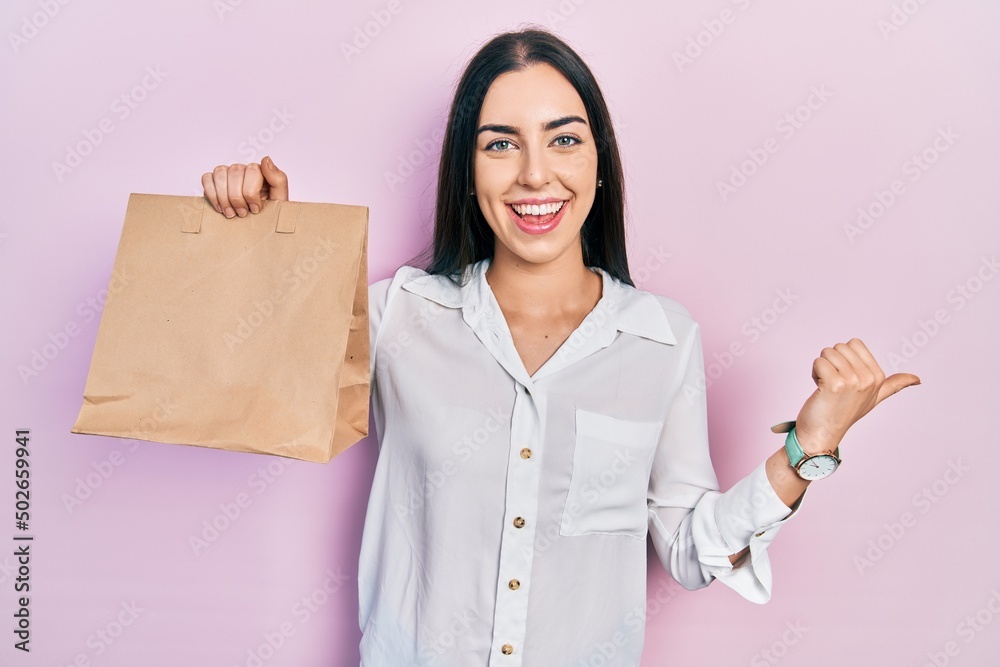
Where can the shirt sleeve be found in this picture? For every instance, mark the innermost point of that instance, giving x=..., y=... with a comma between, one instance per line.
x=380, y=297
x=377, y=298
x=695, y=527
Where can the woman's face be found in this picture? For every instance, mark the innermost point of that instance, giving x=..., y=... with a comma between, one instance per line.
x=535, y=164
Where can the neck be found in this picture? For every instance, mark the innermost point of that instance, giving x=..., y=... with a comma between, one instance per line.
x=562, y=284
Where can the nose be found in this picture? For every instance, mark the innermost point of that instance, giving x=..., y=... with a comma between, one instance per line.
x=535, y=168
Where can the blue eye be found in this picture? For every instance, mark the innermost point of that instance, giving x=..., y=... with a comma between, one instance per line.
x=496, y=143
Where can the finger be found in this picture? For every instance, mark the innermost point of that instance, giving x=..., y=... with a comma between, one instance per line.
x=236, y=172
x=276, y=180
x=209, y=185
x=220, y=177
x=823, y=371
x=865, y=355
x=838, y=361
x=895, y=383
x=859, y=368
x=868, y=358
x=253, y=182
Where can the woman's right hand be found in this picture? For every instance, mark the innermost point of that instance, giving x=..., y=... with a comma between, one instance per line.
x=239, y=188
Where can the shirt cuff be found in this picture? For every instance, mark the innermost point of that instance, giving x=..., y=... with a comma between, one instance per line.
x=750, y=513
x=750, y=506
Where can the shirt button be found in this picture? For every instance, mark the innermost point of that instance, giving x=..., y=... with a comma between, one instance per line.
x=525, y=453
x=514, y=584
x=518, y=522
x=506, y=649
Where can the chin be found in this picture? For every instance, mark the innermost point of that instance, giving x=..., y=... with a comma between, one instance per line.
x=540, y=250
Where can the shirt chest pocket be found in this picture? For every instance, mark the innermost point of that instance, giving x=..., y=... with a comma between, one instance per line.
x=611, y=463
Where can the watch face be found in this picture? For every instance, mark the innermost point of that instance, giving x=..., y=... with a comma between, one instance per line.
x=817, y=467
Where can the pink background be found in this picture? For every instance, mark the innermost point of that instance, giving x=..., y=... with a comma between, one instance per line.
x=859, y=586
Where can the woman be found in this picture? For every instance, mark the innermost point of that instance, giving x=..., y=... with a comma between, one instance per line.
x=529, y=401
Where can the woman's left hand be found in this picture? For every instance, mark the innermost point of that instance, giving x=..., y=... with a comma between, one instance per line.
x=849, y=383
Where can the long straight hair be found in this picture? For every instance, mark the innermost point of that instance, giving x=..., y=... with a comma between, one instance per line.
x=461, y=233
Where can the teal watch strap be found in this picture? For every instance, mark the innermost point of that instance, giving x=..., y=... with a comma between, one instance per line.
x=793, y=448
x=795, y=451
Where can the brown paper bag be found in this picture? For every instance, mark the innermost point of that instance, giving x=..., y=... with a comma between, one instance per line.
x=249, y=334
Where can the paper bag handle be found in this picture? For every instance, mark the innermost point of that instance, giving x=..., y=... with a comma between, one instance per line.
x=285, y=223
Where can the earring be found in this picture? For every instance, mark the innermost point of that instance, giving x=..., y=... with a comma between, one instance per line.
x=472, y=193
x=600, y=182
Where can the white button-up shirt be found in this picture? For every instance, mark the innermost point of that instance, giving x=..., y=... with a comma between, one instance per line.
x=508, y=515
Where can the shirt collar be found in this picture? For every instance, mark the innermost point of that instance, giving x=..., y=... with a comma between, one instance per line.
x=624, y=307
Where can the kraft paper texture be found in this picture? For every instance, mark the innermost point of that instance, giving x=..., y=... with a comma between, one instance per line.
x=249, y=334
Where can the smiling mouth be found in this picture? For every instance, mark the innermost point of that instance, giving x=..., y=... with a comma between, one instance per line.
x=537, y=219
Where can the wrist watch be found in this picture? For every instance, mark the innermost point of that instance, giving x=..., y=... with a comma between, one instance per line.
x=808, y=467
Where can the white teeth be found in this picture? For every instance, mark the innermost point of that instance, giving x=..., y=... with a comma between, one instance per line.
x=538, y=209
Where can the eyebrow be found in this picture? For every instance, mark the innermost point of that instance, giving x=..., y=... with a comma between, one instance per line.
x=510, y=129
